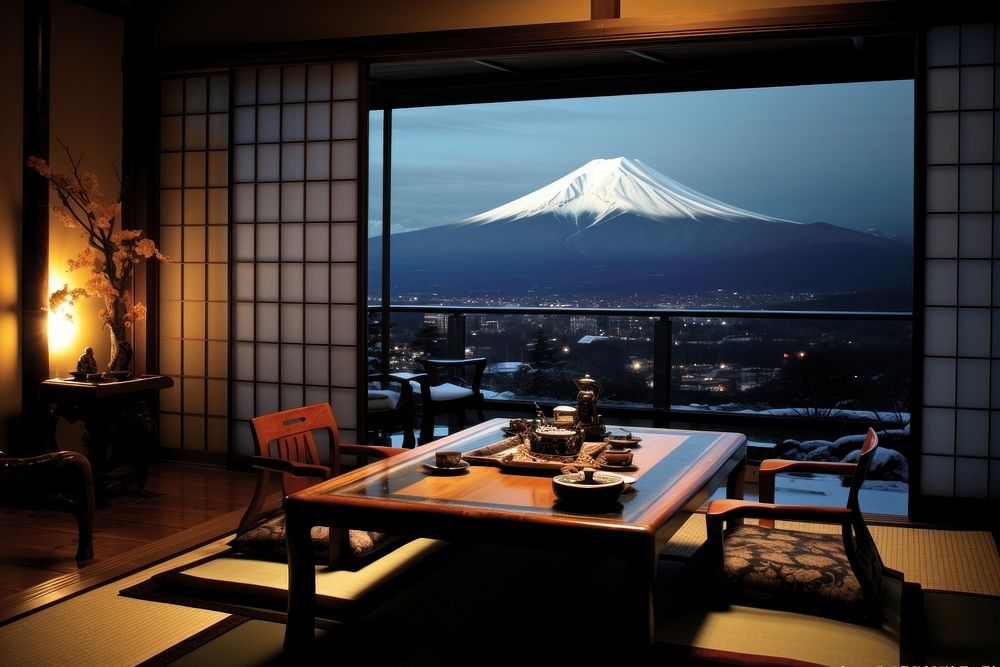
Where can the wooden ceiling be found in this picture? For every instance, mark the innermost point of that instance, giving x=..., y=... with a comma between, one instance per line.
x=655, y=66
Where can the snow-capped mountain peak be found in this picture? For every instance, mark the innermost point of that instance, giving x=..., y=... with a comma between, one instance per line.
x=605, y=188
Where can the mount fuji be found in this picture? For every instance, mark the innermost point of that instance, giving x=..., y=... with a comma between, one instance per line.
x=617, y=227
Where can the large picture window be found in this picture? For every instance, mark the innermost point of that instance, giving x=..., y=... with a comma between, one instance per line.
x=792, y=198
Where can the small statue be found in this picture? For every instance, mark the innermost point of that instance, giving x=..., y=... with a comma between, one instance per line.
x=87, y=363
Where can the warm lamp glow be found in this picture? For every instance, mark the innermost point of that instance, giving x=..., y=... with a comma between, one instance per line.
x=62, y=330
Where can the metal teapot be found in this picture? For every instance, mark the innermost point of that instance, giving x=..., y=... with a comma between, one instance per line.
x=586, y=401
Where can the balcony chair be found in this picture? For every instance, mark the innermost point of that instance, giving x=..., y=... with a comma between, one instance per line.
x=286, y=445
x=839, y=576
x=390, y=408
x=64, y=476
x=446, y=388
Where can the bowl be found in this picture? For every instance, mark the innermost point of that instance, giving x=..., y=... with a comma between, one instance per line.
x=617, y=457
x=556, y=441
x=588, y=488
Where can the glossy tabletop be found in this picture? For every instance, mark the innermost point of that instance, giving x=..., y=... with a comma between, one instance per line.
x=675, y=472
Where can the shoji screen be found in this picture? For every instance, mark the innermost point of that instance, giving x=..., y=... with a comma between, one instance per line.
x=294, y=212
x=194, y=293
x=961, y=400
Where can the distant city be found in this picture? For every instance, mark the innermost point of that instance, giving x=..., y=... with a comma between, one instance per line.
x=718, y=363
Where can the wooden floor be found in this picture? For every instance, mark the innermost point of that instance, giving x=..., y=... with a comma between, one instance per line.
x=37, y=545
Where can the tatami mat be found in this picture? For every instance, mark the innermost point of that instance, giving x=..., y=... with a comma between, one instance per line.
x=953, y=560
x=100, y=627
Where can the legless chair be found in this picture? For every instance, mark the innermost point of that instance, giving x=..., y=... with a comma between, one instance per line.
x=839, y=576
x=285, y=445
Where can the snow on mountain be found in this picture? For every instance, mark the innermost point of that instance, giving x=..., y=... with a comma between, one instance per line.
x=616, y=227
x=605, y=188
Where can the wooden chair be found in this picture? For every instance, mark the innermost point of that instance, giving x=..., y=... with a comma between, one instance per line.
x=286, y=445
x=838, y=576
x=63, y=475
x=390, y=407
x=446, y=388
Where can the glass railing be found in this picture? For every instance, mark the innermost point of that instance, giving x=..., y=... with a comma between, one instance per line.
x=798, y=364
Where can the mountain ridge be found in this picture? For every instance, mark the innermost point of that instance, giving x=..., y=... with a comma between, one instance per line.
x=664, y=237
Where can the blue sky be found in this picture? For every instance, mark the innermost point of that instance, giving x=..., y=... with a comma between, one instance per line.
x=837, y=153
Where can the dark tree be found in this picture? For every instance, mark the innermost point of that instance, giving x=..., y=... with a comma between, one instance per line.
x=427, y=342
x=541, y=353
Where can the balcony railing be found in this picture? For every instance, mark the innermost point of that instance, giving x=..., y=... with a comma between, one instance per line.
x=669, y=340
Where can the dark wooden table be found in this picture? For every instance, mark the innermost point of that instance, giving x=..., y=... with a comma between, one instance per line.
x=121, y=433
x=676, y=472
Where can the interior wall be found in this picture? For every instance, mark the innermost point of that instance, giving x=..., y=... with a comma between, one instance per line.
x=86, y=114
x=11, y=84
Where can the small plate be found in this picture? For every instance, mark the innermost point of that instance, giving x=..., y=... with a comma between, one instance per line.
x=628, y=468
x=449, y=470
x=80, y=376
x=623, y=442
x=629, y=482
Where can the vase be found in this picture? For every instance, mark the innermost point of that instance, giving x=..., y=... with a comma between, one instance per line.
x=121, y=349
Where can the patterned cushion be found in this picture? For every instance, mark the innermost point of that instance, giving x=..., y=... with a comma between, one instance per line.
x=266, y=541
x=793, y=571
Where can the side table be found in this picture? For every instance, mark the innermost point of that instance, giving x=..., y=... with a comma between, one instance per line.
x=121, y=434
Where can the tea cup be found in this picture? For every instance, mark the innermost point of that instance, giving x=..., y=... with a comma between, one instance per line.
x=447, y=459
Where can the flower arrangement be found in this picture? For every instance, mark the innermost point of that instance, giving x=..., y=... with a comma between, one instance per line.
x=110, y=254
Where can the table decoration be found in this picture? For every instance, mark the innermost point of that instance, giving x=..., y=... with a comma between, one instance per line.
x=109, y=256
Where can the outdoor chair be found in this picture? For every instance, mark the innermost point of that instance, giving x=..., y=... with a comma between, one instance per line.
x=390, y=407
x=839, y=576
x=449, y=386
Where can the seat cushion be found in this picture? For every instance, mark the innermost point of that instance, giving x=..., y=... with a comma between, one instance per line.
x=266, y=541
x=382, y=399
x=449, y=392
x=792, y=570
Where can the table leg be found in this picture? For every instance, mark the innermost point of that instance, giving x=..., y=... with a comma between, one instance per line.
x=640, y=565
x=301, y=581
x=734, y=483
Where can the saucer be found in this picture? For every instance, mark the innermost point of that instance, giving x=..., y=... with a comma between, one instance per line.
x=628, y=468
x=447, y=470
x=629, y=481
x=623, y=442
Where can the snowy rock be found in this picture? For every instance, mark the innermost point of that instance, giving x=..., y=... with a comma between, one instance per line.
x=887, y=464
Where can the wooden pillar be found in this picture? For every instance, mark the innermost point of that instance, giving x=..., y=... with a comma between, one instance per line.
x=34, y=222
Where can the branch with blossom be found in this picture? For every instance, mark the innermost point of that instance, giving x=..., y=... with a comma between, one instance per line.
x=111, y=253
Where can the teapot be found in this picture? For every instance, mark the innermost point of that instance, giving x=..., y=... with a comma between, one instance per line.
x=586, y=404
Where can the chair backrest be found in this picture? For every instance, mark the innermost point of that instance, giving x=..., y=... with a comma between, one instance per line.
x=859, y=545
x=861, y=471
x=437, y=368
x=289, y=435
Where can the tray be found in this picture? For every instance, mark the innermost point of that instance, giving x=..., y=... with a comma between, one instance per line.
x=499, y=454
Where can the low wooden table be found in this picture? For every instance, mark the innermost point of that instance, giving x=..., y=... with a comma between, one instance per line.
x=121, y=431
x=677, y=471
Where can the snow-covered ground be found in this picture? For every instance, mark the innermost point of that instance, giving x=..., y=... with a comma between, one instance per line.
x=877, y=497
